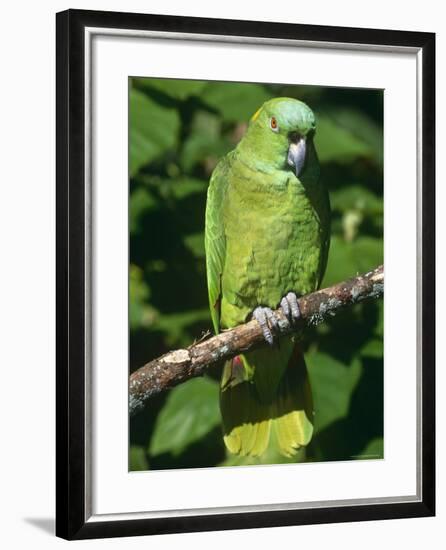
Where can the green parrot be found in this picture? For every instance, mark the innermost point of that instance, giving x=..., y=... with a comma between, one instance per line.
x=267, y=238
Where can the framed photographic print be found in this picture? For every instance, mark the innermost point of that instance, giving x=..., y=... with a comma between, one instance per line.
x=227, y=195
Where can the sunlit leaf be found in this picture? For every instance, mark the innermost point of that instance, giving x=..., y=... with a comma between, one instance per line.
x=195, y=243
x=373, y=348
x=137, y=459
x=369, y=253
x=362, y=126
x=184, y=186
x=204, y=140
x=153, y=130
x=191, y=411
x=176, y=188
x=374, y=450
x=139, y=292
x=356, y=197
x=198, y=148
x=348, y=259
x=175, y=88
x=235, y=101
x=338, y=144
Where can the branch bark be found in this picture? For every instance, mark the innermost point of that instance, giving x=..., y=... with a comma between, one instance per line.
x=177, y=366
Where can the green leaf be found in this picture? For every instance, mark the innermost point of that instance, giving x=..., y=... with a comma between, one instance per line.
x=205, y=141
x=380, y=324
x=374, y=450
x=175, y=325
x=341, y=263
x=191, y=411
x=332, y=383
x=373, y=348
x=182, y=187
x=338, y=144
x=357, y=205
x=176, y=188
x=198, y=148
x=356, y=197
x=137, y=459
x=363, y=127
x=195, y=243
x=235, y=101
x=175, y=88
x=369, y=253
x=141, y=202
x=348, y=259
x=153, y=130
x=139, y=292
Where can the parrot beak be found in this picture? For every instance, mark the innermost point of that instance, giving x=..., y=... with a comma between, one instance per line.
x=296, y=153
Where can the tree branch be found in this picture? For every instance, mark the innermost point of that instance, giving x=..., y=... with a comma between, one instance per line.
x=176, y=367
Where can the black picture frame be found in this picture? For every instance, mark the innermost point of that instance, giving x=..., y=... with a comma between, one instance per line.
x=71, y=520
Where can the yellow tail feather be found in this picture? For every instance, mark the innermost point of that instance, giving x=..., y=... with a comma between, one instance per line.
x=248, y=421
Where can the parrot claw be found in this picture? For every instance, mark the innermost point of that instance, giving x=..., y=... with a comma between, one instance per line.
x=290, y=307
x=267, y=321
x=272, y=319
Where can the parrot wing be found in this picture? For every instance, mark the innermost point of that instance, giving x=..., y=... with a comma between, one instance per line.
x=325, y=245
x=215, y=240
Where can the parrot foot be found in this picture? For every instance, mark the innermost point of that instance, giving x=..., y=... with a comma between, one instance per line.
x=290, y=307
x=267, y=321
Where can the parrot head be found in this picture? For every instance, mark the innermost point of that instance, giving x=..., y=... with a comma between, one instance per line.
x=280, y=131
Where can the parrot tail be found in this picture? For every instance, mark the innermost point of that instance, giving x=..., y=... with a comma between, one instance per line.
x=254, y=419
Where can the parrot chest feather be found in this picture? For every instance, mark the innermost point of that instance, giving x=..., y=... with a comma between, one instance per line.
x=274, y=239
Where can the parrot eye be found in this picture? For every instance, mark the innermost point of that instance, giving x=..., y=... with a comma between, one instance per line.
x=273, y=124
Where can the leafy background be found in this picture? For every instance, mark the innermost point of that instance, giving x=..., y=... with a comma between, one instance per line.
x=178, y=131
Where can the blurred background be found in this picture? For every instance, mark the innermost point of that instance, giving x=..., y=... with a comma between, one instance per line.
x=178, y=131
